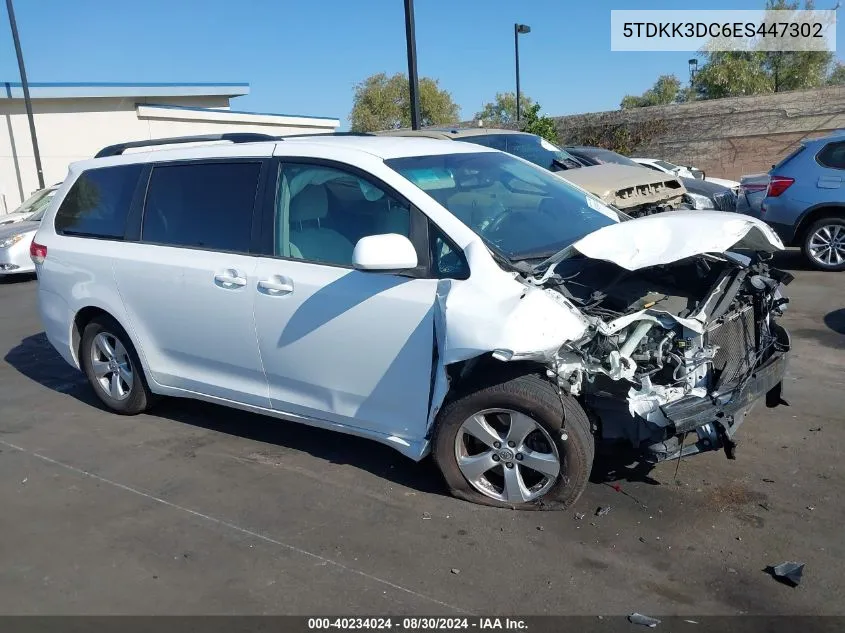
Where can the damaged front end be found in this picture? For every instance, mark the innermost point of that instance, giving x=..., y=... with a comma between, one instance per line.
x=675, y=354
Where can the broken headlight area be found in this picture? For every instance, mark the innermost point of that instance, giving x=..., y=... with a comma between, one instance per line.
x=677, y=354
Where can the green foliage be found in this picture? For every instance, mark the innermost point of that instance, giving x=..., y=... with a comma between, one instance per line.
x=502, y=110
x=533, y=123
x=667, y=89
x=382, y=103
x=624, y=138
x=737, y=73
x=837, y=75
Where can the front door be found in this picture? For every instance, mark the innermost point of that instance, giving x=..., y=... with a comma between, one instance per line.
x=339, y=344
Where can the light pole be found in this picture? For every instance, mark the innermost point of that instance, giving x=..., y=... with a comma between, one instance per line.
x=26, y=99
x=693, y=67
x=413, y=80
x=517, y=29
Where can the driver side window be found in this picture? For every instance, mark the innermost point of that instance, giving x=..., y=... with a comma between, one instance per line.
x=322, y=212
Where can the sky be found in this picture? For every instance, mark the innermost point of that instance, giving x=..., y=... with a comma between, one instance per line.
x=305, y=56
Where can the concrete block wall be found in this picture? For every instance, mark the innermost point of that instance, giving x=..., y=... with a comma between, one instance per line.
x=728, y=137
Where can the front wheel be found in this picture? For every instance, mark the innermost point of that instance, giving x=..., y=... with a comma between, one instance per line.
x=516, y=443
x=824, y=244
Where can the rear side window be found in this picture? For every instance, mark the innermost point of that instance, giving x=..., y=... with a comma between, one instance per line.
x=201, y=205
x=98, y=202
x=833, y=155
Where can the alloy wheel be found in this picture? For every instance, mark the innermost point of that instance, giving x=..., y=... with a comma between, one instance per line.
x=507, y=455
x=827, y=245
x=111, y=366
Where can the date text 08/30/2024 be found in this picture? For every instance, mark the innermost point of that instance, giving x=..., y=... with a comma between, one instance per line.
x=417, y=624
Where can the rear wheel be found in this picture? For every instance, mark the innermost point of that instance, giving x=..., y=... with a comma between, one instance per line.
x=516, y=444
x=112, y=367
x=824, y=244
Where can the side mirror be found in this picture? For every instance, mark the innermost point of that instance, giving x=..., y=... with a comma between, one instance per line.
x=389, y=251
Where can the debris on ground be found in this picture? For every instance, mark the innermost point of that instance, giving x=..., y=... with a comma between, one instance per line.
x=539, y=528
x=731, y=570
x=765, y=506
x=816, y=430
x=426, y=516
x=642, y=540
x=25, y=479
x=644, y=620
x=601, y=511
x=811, y=508
x=579, y=516
x=455, y=570
x=789, y=572
x=691, y=621
x=768, y=481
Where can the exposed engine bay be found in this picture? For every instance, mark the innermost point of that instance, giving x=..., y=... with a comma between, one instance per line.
x=672, y=351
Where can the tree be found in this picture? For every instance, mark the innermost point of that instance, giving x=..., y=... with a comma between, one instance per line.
x=384, y=103
x=502, y=110
x=837, y=75
x=667, y=89
x=543, y=126
x=736, y=73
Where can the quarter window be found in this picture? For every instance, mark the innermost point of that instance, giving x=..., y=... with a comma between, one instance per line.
x=833, y=155
x=201, y=205
x=98, y=202
x=322, y=212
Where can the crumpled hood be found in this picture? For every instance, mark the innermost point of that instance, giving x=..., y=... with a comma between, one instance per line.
x=671, y=236
x=605, y=180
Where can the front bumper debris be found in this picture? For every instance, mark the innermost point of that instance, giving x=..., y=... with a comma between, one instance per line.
x=691, y=412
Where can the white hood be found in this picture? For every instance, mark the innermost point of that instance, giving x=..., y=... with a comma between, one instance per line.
x=671, y=236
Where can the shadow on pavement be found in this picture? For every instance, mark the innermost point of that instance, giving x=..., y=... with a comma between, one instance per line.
x=17, y=279
x=36, y=359
x=835, y=320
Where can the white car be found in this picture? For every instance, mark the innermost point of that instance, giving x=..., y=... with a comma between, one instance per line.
x=15, y=239
x=681, y=171
x=431, y=295
x=35, y=203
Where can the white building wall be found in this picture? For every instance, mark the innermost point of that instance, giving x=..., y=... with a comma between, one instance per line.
x=74, y=129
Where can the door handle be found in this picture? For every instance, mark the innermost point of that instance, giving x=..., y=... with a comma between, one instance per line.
x=276, y=286
x=230, y=278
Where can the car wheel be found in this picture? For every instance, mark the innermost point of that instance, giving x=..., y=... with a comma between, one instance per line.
x=517, y=443
x=111, y=364
x=824, y=244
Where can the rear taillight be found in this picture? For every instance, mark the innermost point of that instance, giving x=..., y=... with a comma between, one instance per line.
x=777, y=185
x=37, y=252
x=753, y=187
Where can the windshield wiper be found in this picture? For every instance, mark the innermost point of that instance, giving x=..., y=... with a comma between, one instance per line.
x=549, y=262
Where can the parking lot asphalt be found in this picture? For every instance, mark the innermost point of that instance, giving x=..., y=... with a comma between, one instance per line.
x=195, y=508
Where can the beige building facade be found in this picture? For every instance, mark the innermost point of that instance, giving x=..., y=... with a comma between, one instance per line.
x=74, y=121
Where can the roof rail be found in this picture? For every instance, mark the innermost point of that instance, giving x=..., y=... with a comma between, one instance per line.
x=233, y=137
x=327, y=134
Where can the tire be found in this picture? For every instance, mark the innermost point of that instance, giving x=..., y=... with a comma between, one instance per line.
x=820, y=230
x=133, y=393
x=527, y=394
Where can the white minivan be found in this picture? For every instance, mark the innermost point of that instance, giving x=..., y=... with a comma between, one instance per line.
x=435, y=296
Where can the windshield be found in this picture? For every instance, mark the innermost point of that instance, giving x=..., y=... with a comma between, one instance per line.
x=523, y=211
x=666, y=165
x=35, y=201
x=602, y=156
x=36, y=217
